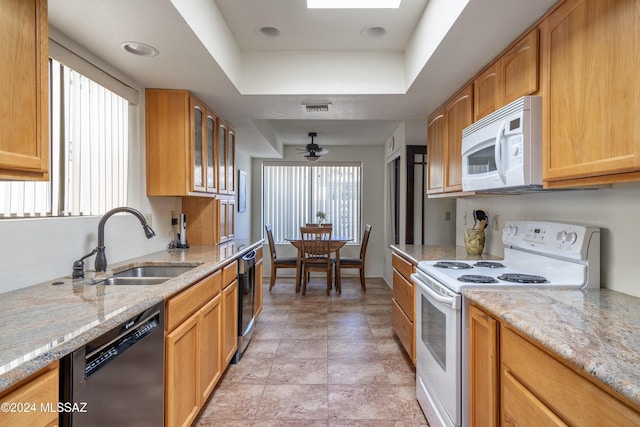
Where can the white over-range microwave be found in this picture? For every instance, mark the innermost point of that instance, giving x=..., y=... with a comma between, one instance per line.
x=503, y=151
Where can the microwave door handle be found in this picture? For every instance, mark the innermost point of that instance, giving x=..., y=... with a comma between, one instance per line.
x=498, y=153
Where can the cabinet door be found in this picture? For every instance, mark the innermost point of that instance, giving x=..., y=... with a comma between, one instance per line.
x=459, y=115
x=591, y=112
x=519, y=69
x=483, y=369
x=231, y=218
x=222, y=157
x=258, y=288
x=222, y=220
x=210, y=136
x=182, y=394
x=230, y=322
x=210, y=346
x=24, y=143
x=231, y=160
x=198, y=146
x=436, y=141
x=487, y=94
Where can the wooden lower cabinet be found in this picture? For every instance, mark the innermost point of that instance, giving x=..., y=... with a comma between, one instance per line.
x=534, y=387
x=258, y=286
x=484, y=367
x=230, y=321
x=193, y=349
x=182, y=401
x=39, y=388
x=402, y=310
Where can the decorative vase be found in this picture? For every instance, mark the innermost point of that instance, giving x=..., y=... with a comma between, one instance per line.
x=474, y=241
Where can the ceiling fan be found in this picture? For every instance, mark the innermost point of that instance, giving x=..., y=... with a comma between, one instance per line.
x=313, y=151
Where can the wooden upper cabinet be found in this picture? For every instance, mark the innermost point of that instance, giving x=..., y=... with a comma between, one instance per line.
x=436, y=142
x=513, y=75
x=519, y=69
x=444, y=143
x=211, y=149
x=178, y=141
x=459, y=114
x=24, y=133
x=231, y=160
x=592, y=103
x=221, y=138
x=486, y=97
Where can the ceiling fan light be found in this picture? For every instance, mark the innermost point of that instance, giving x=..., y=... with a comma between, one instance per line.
x=312, y=158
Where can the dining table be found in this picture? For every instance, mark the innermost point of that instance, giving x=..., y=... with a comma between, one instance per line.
x=336, y=244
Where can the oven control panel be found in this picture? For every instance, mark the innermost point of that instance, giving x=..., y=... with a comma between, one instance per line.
x=553, y=238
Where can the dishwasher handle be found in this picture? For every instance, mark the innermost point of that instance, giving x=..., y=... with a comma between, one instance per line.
x=104, y=355
x=247, y=261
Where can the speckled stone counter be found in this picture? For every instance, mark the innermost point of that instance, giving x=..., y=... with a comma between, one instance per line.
x=417, y=253
x=596, y=330
x=45, y=322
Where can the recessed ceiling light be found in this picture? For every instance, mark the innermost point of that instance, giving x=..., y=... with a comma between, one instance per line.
x=269, y=32
x=353, y=4
x=139, y=49
x=373, y=31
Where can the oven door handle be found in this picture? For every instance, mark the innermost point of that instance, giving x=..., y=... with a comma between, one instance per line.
x=452, y=301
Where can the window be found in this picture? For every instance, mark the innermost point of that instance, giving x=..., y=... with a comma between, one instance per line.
x=88, y=150
x=292, y=194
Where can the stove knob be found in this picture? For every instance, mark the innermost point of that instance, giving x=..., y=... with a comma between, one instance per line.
x=512, y=230
x=562, y=236
x=572, y=238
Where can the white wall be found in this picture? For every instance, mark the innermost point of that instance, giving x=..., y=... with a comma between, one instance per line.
x=372, y=158
x=615, y=210
x=243, y=219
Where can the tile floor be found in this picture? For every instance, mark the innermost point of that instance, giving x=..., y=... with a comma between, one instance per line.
x=319, y=360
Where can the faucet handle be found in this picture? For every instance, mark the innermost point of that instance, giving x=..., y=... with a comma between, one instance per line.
x=78, y=266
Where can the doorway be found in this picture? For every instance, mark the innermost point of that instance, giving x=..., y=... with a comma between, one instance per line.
x=416, y=194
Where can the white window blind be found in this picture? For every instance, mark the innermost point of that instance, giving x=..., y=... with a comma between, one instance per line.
x=292, y=194
x=88, y=149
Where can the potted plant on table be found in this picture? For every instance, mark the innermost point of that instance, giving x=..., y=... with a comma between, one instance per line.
x=321, y=217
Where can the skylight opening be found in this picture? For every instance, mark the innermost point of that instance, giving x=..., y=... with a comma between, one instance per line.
x=353, y=4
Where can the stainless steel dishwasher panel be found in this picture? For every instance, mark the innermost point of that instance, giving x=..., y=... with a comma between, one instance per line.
x=120, y=375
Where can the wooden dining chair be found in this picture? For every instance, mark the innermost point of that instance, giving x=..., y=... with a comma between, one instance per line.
x=276, y=263
x=316, y=254
x=346, y=262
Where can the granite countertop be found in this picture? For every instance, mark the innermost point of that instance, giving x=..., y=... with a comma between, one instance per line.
x=595, y=330
x=43, y=323
x=417, y=253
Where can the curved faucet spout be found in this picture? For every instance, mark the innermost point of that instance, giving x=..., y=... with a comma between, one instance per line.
x=101, y=258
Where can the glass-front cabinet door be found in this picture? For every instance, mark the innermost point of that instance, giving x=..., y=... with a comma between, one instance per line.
x=222, y=157
x=211, y=153
x=231, y=153
x=198, y=146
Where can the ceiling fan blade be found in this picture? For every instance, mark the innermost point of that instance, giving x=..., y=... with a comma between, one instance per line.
x=322, y=152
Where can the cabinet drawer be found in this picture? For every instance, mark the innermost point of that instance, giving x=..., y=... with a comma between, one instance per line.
x=403, y=293
x=403, y=327
x=187, y=302
x=521, y=408
x=403, y=266
x=40, y=388
x=566, y=392
x=229, y=273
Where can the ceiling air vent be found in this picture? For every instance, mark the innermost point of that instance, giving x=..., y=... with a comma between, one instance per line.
x=316, y=108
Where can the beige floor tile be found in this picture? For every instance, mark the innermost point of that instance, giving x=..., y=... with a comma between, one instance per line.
x=319, y=360
x=353, y=349
x=302, y=349
x=298, y=371
x=357, y=371
x=288, y=402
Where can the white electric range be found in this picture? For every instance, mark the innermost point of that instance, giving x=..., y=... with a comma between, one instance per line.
x=537, y=254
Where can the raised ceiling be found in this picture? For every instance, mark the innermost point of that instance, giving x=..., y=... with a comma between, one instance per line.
x=260, y=84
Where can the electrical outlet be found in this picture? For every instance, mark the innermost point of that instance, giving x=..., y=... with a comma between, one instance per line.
x=148, y=218
x=496, y=223
x=464, y=218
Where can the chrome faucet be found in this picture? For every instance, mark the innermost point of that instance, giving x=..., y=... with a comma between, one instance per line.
x=101, y=257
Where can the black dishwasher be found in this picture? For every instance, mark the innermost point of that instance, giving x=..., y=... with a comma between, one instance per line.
x=246, y=299
x=118, y=378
